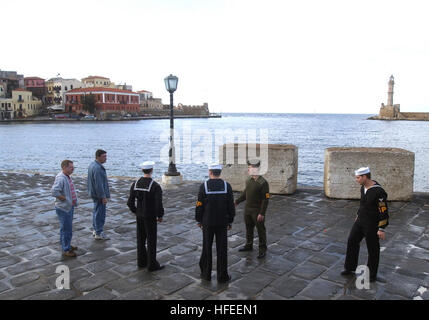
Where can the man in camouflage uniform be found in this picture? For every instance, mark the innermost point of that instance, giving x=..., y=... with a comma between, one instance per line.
x=256, y=195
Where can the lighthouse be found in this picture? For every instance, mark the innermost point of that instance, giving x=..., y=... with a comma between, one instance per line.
x=390, y=111
x=390, y=91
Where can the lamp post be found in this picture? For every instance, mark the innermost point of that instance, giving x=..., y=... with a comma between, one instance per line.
x=171, y=86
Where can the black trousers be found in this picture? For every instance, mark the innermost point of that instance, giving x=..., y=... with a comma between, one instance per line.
x=358, y=232
x=146, y=233
x=221, y=248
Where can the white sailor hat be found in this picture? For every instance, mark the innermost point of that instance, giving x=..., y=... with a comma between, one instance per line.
x=254, y=162
x=215, y=166
x=362, y=171
x=147, y=165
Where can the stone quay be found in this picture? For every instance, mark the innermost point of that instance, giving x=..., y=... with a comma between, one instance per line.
x=307, y=236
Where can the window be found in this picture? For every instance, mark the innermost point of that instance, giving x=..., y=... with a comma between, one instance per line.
x=71, y=87
x=65, y=88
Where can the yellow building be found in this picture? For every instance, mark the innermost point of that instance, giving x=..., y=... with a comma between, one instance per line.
x=6, y=109
x=24, y=104
x=97, y=81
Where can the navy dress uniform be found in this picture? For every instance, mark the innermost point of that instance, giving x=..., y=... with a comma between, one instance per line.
x=372, y=216
x=149, y=211
x=215, y=213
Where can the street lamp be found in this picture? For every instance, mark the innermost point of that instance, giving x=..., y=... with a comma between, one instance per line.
x=171, y=86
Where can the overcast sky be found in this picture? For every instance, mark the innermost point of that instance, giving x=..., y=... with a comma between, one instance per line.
x=238, y=55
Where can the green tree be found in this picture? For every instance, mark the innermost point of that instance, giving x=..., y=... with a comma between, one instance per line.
x=89, y=103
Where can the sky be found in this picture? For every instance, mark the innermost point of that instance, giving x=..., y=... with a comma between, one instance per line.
x=307, y=56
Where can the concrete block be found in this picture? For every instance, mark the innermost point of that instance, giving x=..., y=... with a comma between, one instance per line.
x=393, y=168
x=279, y=165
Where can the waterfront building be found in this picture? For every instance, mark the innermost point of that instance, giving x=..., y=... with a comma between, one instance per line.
x=22, y=104
x=2, y=91
x=97, y=81
x=56, y=88
x=108, y=101
x=147, y=101
x=6, y=111
x=144, y=95
x=9, y=81
x=36, y=85
x=124, y=87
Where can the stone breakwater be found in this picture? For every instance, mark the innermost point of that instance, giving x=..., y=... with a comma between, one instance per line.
x=307, y=236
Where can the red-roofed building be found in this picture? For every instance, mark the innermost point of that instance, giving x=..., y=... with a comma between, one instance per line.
x=36, y=85
x=108, y=100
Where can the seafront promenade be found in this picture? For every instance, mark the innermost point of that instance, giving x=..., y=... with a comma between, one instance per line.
x=48, y=119
x=307, y=236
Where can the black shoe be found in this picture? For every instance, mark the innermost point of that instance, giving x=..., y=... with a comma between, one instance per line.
x=142, y=266
x=261, y=255
x=224, y=280
x=347, y=273
x=156, y=269
x=376, y=278
x=207, y=278
x=245, y=249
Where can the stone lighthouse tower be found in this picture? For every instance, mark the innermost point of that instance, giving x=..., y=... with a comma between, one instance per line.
x=390, y=111
x=390, y=92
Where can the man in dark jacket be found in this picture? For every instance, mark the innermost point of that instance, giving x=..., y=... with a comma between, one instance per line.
x=256, y=194
x=149, y=211
x=215, y=213
x=372, y=218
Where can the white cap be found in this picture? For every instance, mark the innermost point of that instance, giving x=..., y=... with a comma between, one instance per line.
x=147, y=165
x=362, y=171
x=215, y=166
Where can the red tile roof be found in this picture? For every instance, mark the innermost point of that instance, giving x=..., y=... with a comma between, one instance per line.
x=98, y=89
x=21, y=89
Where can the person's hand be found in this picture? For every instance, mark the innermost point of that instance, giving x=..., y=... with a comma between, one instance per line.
x=235, y=204
x=260, y=218
x=159, y=219
x=381, y=234
x=200, y=225
x=61, y=198
x=229, y=227
x=104, y=200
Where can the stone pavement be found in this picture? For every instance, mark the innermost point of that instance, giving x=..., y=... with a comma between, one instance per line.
x=307, y=235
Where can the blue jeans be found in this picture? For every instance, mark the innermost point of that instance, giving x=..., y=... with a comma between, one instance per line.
x=66, y=229
x=98, y=216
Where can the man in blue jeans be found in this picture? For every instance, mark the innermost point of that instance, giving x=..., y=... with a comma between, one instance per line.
x=98, y=190
x=66, y=200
